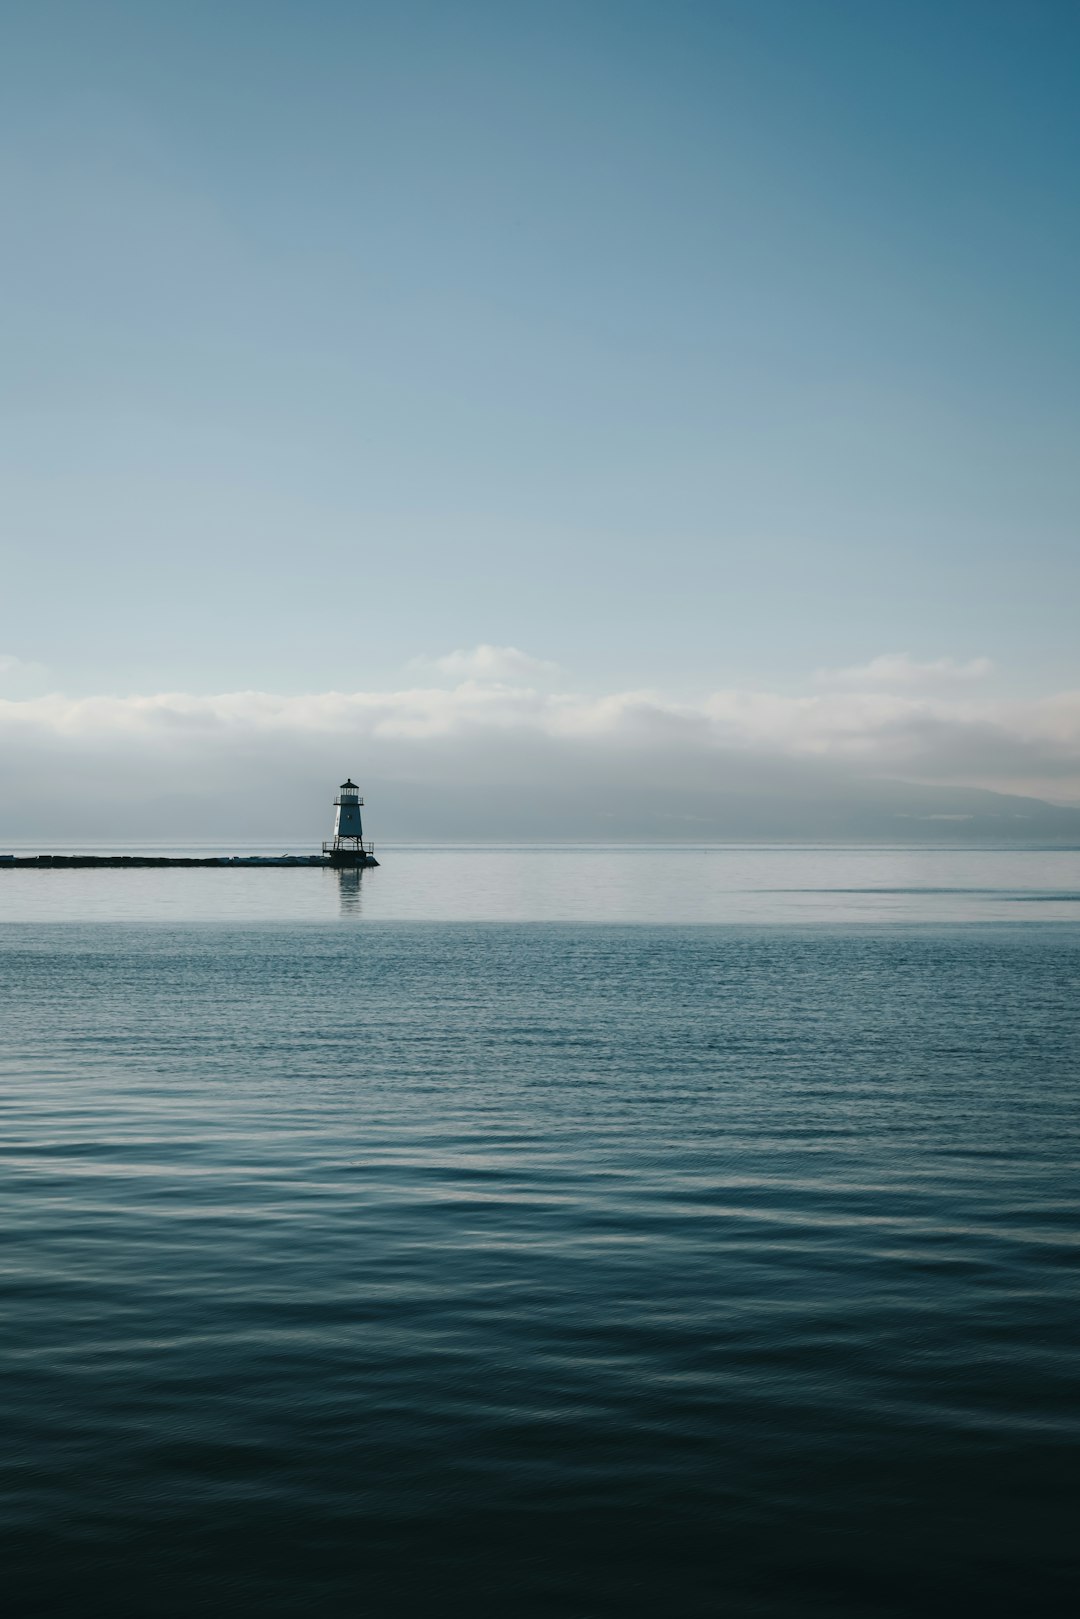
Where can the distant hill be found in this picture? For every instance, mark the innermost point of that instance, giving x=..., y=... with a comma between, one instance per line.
x=494, y=788
x=858, y=810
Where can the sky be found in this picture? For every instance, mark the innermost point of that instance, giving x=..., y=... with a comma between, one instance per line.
x=509, y=371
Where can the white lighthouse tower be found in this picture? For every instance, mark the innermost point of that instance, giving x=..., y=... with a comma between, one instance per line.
x=347, y=847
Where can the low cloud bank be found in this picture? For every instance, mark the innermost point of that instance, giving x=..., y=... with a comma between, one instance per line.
x=495, y=757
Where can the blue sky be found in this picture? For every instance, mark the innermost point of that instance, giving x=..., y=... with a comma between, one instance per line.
x=685, y=346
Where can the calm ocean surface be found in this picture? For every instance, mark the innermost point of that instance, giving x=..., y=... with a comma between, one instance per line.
x=543, y=1232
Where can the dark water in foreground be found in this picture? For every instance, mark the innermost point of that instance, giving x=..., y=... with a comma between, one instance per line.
x=541, y=1270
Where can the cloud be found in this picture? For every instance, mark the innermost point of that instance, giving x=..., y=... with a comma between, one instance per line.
x=875, y=728
x=18, y=671
x=486, y=662
x=900, y=669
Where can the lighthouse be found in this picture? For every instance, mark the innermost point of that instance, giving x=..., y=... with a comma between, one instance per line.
x=347, y=847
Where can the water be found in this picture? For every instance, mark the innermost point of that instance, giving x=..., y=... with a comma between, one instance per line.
x=731, y=883
x=368, y=1265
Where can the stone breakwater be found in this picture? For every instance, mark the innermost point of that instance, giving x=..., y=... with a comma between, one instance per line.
x=65, y=861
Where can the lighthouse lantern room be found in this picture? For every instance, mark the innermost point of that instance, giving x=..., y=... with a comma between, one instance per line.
x=347, y=847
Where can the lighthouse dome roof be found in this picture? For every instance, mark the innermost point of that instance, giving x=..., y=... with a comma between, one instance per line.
x=349, y=783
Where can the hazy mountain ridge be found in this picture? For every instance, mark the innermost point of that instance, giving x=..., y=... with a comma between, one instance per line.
x=462, y=794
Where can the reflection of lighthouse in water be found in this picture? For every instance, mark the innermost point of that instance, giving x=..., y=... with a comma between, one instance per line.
x=347, y=847
x=350, y=889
